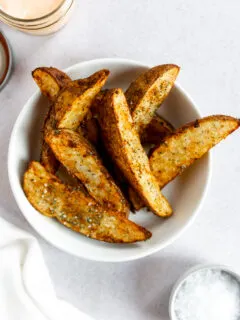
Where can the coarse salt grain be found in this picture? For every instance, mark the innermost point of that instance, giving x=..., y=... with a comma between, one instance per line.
x=208, y=294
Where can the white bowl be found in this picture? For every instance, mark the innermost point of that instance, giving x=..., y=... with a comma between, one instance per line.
x=185, y=276
x=186, y=193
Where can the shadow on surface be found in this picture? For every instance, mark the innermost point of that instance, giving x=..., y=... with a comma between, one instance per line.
x=156, y=277
x=135, y=290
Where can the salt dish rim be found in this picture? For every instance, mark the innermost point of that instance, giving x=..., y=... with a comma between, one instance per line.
x=228, y=269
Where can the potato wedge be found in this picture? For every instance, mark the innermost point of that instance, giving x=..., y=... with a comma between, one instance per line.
x=89, y=129
x=123, y=144
x=148, y=91
x=135, y=199
x=50, y=81
x=98, y=102
x=156, y=130
x=81, y=160
x=182, y=148
x=76, y=210
x=48, y=159
x=69, y=110
x=74, y=102
x=187, y=144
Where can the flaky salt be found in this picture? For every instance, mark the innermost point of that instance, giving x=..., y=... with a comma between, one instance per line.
x=208, y=294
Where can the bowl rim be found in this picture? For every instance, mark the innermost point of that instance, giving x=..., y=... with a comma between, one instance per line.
x=134, y=256
x=228, y=269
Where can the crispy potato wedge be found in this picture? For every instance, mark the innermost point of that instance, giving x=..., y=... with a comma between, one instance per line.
x=81, y=160
x=156, y=130
x=68, y=179
x=74, y=102
x=148, y=91
x=50, y=81
x=48, y=159
x=167, y=163
x=187, y=144
x=135, y=199
x=123, y=144
x=89, y=129
x=98, y=102
x=76, y=210
x=70, y=108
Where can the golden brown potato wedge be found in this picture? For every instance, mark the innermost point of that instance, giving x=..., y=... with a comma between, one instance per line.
x=81, y=160
x=187, y=144
x=98, y=102
x=123, y=144
x=50, y=81
x=70, y=108
x=135, y=199
x=76, y=210
x=156, y=130
x=74, y=102
x=48, y=159
x=89, y=129
x=179, y=150
x=148, y=91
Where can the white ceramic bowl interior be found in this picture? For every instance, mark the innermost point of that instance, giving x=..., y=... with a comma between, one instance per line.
x=185, y=276
x=185, y=193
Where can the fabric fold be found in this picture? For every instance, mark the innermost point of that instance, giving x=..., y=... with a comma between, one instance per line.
x=26, y=290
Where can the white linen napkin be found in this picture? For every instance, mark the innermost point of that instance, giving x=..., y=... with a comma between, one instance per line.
x=26, y=291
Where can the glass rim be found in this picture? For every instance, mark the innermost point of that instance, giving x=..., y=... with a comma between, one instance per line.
x=8, y=16
x=39, y=27
x=8, y=55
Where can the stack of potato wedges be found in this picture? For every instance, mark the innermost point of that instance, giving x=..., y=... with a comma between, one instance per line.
x=98, y=136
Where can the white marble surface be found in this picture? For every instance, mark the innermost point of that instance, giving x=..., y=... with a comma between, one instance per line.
x=203, y=38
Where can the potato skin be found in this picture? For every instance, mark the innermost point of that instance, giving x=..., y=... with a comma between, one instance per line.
x=123, y=144
x=50, y=81
x=135, y=199
x=75, y=101
x=82, y=161
x=69, y=110
x=48, y=159
x=187, y=144
x=76, y=210
x=148, y=92
x=89, y=129
x=156, y=130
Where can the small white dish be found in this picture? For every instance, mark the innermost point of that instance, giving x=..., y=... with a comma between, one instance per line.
x=186, y=193
x=5, y=60
x=190, y=272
